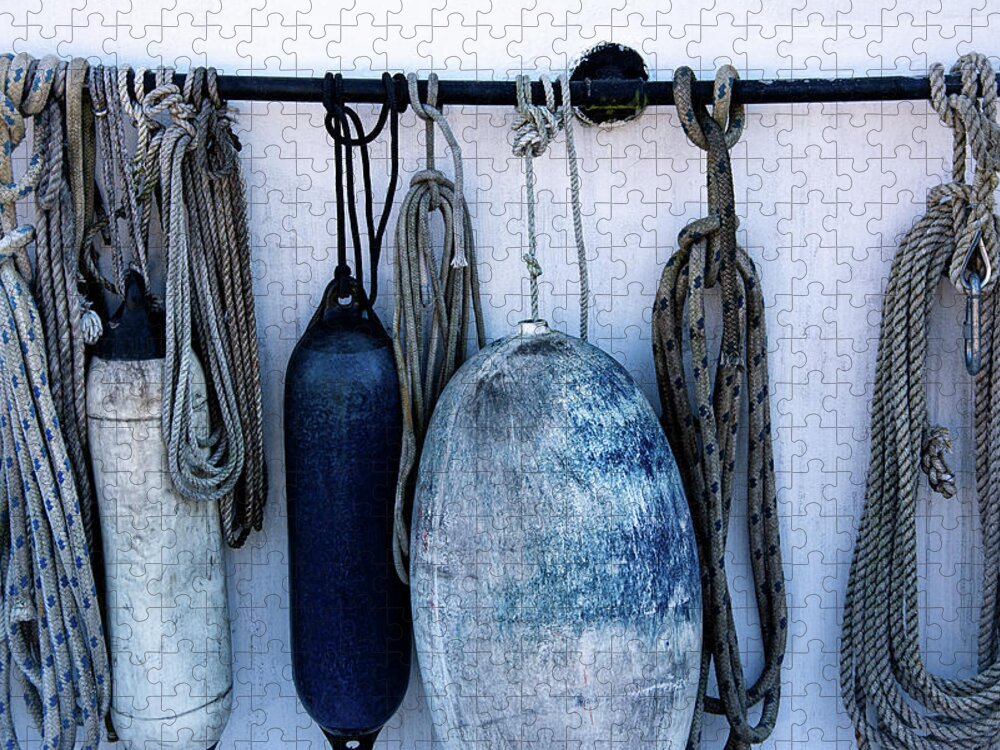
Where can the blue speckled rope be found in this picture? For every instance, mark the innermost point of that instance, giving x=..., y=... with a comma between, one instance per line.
x=53, y=635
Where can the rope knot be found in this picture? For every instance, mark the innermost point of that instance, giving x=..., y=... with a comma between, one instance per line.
x=531, y=263
x=167, y=98
x=534, y=131
x=937, y=442
x=435, y=180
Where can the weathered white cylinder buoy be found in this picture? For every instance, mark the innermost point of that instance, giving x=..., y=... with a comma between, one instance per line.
x=166, y=606
x=555, y=586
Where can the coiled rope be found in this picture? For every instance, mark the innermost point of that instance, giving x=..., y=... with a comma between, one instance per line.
x=534, y=129
x=217, y=210
x=204, y=208
x=704, y=437
x=892, y=699
x=428, y=355
x=53, y=640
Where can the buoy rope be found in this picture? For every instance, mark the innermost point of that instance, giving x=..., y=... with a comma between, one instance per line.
x=893, y=700
x=704, y=437
x=534, y=129
x=428, y=355
x=338, y=121
x=53, y=641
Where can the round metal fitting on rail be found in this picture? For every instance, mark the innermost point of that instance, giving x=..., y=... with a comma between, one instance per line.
x=610, y=61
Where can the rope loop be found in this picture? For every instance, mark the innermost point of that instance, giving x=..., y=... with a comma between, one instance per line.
x=435, y=298
x=433, y=177
x=729, y=116
x=425, y=113
x=972, y=116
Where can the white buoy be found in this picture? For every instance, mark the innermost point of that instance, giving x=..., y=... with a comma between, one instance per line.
x=166, y=608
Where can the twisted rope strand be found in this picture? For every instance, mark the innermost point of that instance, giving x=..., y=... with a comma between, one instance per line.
x=534, y=129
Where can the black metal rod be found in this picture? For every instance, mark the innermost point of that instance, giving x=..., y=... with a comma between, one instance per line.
x=603, y=92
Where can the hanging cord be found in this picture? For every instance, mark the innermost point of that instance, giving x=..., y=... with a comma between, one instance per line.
x=64, y=203
x=704, y=438
x=122, y=197
x=533, y=130
x=217, y=215
x=339, y=118
x=53, y=637
x=892, y=699
x=426, y=359
x=203, y=468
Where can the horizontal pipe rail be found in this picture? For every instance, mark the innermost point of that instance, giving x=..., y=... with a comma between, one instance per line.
x=607, y=93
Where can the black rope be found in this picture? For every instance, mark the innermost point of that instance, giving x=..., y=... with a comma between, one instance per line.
x=338, y=121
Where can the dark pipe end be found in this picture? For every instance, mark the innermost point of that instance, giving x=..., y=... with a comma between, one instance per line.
x=352, y=741
x=610, y=61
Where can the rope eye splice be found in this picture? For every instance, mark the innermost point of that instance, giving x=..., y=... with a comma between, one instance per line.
x=889, y=693
x=348, y=610
x=704, y=436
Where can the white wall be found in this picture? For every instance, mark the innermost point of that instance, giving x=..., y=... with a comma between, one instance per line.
x=824, y=190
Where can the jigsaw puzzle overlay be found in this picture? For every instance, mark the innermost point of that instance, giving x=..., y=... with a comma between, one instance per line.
x=824, y=192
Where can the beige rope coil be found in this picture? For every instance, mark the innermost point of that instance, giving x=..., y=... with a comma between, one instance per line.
x=209, y=290
x=428, y=355
x=891, y=697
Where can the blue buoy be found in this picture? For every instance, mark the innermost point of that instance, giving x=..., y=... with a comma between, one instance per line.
x=555, y=584
x=350, y=617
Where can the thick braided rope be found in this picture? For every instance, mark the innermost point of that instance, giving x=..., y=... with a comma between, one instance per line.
x=428, y=352
x=704, y=437
x=202, y=470
x=53, y=635
x=534, y=129
x=892, y=699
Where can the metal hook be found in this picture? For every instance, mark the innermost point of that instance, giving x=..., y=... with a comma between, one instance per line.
x=972, y=327
x=984, y=258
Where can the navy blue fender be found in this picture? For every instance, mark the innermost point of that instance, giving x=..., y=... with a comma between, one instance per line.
x=349, y=612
